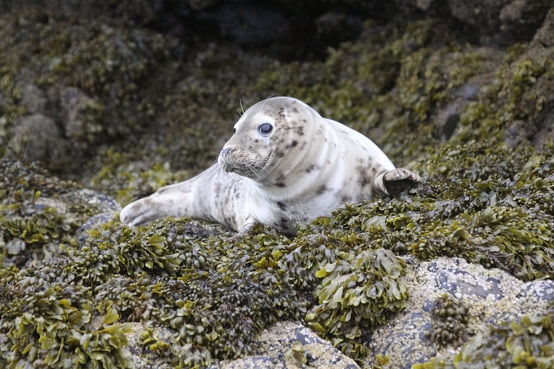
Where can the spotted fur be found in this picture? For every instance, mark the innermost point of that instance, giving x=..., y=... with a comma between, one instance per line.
x=306, y=167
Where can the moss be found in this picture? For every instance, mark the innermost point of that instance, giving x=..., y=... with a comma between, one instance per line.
x=512, y=95
x=495, y=220
x=120, y=177
x=211, y=296
x=32, y=231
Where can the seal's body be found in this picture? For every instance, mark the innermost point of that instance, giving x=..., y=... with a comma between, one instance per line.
x=285, y=165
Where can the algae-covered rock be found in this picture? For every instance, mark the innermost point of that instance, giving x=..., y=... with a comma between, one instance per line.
x=476, y=298
x=290, y=345
x=425, y=278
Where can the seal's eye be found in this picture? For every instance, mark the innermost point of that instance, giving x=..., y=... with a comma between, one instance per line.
x=234, y=130
x=265, y=128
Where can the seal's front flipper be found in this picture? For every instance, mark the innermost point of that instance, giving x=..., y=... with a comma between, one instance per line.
x=398, y=180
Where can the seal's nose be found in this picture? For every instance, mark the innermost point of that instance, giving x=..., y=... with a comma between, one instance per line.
x=226, y=150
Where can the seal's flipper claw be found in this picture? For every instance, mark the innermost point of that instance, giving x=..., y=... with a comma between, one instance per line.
x=398, y=180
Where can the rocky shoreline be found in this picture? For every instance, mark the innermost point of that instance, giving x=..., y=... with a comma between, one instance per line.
x=100, y=105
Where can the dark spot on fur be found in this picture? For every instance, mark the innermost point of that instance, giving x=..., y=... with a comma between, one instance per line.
x=300, y=130
x=364, y=181
x=345, y=198
x=280, y=185
x=303, y=145
x=294, y=143
x=364, y=178
x=229, y=221
x=321, y=189
x=281, y=154
x=312, y=168
x=281, y=205
x=295, y=110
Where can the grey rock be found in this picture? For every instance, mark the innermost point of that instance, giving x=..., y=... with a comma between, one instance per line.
x=537, y=292
x=282, y=345
x=492, y=295
x=37, y=138
x=82, y=115
x=34, y=99
x=288, y=345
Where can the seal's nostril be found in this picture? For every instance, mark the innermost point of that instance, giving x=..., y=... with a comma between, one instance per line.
x=226, y=150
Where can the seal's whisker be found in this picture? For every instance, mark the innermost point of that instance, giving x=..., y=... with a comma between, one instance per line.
x=262, y=106
x=255, y=171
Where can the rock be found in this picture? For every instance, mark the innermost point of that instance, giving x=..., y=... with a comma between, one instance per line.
x=518, y=132
x=283, y=345
x=501, y=22
x=37, y=138
x=82, y=115
x=34, y=99
x=491, y=296
x=290, y=345
x=545, y=35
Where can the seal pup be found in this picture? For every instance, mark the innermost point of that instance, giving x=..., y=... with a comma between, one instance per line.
x=284, y=165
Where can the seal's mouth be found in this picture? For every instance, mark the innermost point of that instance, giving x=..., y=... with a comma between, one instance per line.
x=246, y=168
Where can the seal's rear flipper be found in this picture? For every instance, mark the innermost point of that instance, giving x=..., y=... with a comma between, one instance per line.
x=174, y=200
x=398, y=180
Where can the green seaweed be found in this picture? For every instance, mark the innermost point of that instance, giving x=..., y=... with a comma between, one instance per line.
x=450, y=319
x=49, y=324
x=526, y=343
x=480, y=199
x=357, y=293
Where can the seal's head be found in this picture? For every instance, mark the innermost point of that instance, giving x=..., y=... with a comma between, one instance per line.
x=269, y=140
